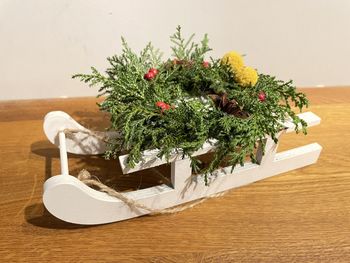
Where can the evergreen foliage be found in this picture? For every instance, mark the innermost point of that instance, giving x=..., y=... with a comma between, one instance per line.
x=186, y=83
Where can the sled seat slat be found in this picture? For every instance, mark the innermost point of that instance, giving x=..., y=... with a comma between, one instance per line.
x=311, y=119
x=150, y=158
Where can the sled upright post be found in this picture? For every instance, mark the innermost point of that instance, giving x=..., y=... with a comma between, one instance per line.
x=63, y=153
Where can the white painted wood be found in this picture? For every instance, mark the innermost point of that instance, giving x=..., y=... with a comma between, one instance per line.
x=71, y=200
x=63, y=153
x=267, y=154
x=311, y=119
x=82, y=143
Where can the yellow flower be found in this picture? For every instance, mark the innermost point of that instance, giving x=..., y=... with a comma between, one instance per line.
x=246, y=76
x=234, y=60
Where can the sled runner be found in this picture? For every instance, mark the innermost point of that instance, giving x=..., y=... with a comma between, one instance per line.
x=69, y=199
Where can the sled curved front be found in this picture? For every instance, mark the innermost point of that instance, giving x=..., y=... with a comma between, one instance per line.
x=71, y=200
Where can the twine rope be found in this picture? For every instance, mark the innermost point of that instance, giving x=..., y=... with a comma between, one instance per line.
x=91, y=180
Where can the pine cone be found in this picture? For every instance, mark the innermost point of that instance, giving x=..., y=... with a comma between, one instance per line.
x=170, y=64
x=229, y=106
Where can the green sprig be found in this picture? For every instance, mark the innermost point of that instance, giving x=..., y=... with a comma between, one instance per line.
x=193, y=118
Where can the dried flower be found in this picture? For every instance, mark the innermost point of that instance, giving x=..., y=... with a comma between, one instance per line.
x=246, y=76
x=234, y=60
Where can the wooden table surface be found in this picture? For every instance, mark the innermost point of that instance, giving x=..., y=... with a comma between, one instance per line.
x=299, y=216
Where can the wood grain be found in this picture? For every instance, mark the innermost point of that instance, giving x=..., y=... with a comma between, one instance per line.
x=300, y=216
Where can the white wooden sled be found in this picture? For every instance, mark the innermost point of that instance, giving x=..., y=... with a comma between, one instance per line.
x=71, y=200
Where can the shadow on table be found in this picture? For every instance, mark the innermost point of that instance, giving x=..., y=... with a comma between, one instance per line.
x=37, y=215
x=94, y=163
x=108, y=171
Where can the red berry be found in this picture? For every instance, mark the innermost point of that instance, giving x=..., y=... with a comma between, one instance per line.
x=149, y=76
x=206, y=64
x=154, y=71
x=262, y=96
x=164, y=106
x=160, y=104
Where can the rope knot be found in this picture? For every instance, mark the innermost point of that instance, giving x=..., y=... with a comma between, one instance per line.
x=84, y=175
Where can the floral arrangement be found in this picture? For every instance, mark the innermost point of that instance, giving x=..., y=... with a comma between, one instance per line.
x=178, y=104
